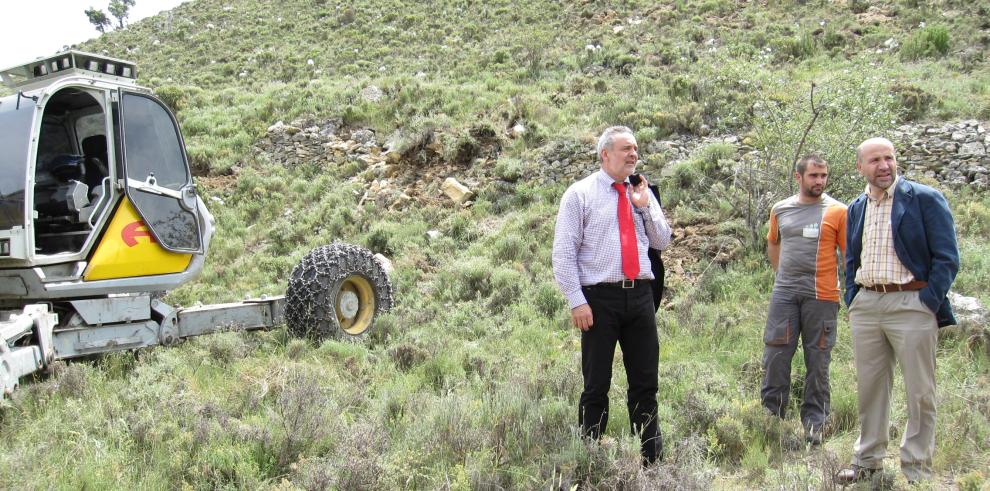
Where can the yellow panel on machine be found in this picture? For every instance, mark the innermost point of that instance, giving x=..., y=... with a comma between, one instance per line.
x=128, y=249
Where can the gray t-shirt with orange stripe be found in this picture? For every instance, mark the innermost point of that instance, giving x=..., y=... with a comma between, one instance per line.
x=809, y=236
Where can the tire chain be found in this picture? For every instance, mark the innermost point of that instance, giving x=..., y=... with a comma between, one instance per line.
x=308, y=304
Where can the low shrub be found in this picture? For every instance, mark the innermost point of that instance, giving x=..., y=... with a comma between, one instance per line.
x=927, y=42
x=913, y=100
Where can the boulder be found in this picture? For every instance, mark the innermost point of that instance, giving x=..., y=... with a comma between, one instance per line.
x=456, y=191
x=363, y=136
x=968, y=310
x=385, y=262
x=372, y=93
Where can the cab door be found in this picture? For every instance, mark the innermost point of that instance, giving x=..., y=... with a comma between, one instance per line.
x=156, y=172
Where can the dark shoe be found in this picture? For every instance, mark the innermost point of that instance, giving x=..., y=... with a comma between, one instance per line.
x=652, y=450
x=853, y=474
x=813, y=435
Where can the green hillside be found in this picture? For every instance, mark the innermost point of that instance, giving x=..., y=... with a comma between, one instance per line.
x=472, y=381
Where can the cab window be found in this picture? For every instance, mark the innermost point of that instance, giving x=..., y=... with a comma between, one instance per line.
x=158, y=180
x=151, y=145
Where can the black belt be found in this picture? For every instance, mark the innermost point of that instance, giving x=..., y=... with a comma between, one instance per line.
x=624, y=284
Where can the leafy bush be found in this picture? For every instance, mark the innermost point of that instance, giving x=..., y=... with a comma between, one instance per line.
x=548, y=299
x=797, y=47
x=913, y=100
x=715, y=160
x=972, y=217
x=686, y=174
x=927, y=42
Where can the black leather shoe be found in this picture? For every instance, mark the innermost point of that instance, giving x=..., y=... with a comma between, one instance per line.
x=853, y=474
x=813, y=436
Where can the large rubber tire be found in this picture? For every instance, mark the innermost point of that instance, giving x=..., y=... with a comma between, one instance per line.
x=336, y=291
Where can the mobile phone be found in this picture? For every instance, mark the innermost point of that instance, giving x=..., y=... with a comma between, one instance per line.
x=635, y=179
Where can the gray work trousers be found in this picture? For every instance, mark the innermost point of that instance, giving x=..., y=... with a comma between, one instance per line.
x=814, y=321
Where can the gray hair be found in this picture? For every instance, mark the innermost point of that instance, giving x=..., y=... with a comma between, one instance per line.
x=608, y=137
x=881, y=140
x=811, y=158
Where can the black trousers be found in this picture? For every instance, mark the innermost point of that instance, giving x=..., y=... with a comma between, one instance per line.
x=625, y=316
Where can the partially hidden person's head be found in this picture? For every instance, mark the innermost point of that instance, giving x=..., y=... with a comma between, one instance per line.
x=811, y=174
x=618, y=152
x=876, y=160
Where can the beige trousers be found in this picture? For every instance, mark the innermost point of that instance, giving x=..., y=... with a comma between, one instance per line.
x=888, y=327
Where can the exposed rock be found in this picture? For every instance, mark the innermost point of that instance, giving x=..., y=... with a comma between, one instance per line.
x=972, y=148
x=434, y=234
x=955, y=154
x=372, y=93
x=385, y=262
x=363, y=136
x=456, y=191
x=968, y=310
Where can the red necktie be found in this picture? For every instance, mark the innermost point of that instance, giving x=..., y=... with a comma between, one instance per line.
x=627, y=234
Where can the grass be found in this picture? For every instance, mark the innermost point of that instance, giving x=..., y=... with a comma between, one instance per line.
x=472, y=380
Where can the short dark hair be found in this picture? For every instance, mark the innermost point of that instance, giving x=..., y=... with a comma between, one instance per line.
x=811, y=158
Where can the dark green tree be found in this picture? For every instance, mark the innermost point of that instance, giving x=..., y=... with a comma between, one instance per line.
x=119, y=9
x=98, y=19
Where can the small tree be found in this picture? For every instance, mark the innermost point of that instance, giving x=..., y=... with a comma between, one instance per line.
x=98, y=19
x=843, y=109
x=119, y=9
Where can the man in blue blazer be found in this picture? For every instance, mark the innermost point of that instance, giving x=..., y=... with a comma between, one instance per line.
x=901, y=259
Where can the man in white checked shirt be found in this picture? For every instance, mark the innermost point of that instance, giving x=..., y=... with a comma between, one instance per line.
x=604, y=228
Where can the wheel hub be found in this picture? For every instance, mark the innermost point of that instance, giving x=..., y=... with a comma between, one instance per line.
x=349, y=304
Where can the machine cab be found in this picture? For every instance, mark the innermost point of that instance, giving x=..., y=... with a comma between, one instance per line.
x=92, y=166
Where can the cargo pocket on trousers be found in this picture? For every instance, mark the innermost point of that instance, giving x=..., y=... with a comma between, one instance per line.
x=777, y=332
x=826, y=340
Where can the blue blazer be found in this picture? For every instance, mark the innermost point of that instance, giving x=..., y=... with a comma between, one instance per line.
x=924, y=240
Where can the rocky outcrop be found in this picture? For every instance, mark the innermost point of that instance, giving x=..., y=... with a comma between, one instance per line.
x=955, y=154
x=389, y=179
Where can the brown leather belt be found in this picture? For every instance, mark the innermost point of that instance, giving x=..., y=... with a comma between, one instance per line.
x=894, y=287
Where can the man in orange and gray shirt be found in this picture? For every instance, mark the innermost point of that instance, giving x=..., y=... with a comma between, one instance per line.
x=806, y=231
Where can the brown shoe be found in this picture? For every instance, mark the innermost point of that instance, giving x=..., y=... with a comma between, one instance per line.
x=853, y=474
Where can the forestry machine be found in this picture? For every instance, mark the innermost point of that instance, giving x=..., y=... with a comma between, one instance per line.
x=99, y=215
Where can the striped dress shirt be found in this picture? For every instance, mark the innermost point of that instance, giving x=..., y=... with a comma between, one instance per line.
x=586, y=247
x=879, y=264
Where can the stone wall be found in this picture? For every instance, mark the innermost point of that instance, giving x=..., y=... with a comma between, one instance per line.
x=954, y=154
